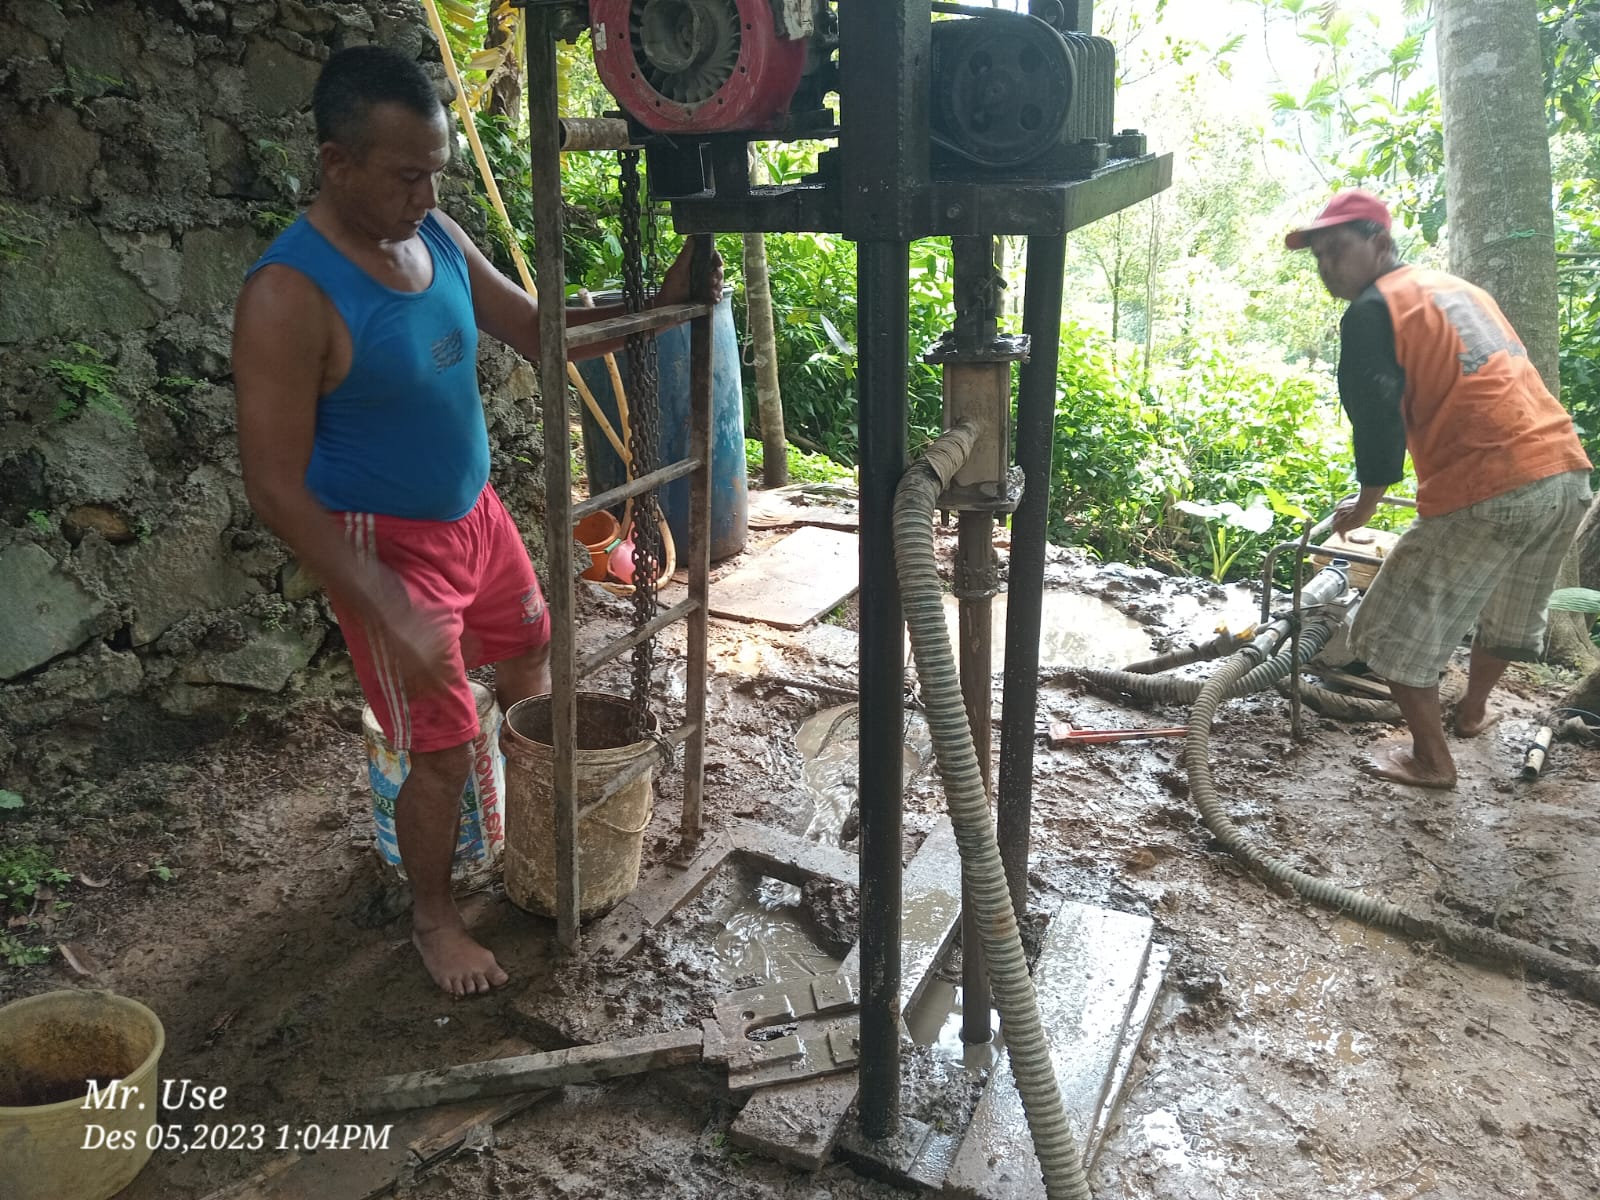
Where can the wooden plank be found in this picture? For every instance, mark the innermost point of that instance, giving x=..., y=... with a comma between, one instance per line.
x=417, y=1140
x=1155, y=973
x=609, y=329
x=799, y=1123
x=791, y=859
x=792, y=584
x=525, y=1072
x=1087, y=978
x=830, y=505
x=666, y=889
x=660, y=477
x=1356, y=683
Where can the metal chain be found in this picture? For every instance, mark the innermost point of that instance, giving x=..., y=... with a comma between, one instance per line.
x=644, y=440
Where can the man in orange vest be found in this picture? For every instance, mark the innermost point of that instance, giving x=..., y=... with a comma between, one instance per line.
x=1428, y=363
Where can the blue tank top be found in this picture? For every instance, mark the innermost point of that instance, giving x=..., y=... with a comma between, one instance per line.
x=404, y=434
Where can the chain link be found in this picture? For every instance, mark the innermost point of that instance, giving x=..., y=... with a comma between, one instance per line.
x=644, y=438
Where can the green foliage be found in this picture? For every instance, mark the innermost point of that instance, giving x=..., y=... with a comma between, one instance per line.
x=1216, y=460
x=1228, y=530
x=87, y=380
x=23, y=871
x=270, y=222
x=275, y=166
x=41, y=521
x=9, y=799
x=1575, y=599
x=804, y=467
x=14, y=244
x=1578, y=247
x=1570, y=34
x=14, y=952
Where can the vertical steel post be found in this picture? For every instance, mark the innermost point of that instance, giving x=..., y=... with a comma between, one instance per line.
x=974, y=574
x=1036, y=410
x=976, y=324
x=699, y=550
x=882, y=330
x=883, y=102
x=545, y=150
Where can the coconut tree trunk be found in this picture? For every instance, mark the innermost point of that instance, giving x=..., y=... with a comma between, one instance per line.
x=769, y=400
x=1497, y=178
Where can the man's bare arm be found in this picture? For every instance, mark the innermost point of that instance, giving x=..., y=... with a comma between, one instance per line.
x=282, y=339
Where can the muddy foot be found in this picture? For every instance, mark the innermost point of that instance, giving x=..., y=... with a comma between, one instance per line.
x=458, y=964
x=1397, y=764
x=1469, y=726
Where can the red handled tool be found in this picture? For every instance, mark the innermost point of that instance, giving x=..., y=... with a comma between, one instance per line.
x=1062, y=734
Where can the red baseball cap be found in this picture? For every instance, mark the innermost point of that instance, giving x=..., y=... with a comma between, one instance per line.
x=1352, y=205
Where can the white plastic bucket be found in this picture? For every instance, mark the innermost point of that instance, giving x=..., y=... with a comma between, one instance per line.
x=481, y=834
x=610, y=839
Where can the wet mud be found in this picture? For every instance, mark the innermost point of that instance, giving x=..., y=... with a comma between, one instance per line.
x=1293, y=1053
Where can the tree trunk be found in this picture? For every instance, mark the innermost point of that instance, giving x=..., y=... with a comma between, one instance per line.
x=1497, y=178
x=1497, y=166
x=758, y=301
x=505, y=98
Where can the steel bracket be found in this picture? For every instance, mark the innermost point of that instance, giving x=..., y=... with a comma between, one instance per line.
x=784, y=1032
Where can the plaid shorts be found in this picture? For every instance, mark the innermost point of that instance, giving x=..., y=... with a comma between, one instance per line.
x=1493, y=563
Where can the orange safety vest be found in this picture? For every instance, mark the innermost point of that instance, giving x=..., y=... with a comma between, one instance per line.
x=1479, y=420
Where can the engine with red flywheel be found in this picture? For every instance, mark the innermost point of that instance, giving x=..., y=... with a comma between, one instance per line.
x=702, y=66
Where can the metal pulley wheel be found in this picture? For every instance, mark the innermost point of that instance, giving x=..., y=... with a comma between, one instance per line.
x=1003, y=86
x=703, y=66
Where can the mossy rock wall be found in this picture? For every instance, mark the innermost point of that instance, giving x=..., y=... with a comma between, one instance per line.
x=148, y=153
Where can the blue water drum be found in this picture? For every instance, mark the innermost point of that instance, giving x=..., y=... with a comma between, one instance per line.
x=730, y=500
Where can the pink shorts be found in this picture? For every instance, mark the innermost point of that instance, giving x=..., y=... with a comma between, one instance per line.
x=473, y=575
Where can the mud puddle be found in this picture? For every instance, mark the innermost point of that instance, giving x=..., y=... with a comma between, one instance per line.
x=1074, y=629
x=935, y=1021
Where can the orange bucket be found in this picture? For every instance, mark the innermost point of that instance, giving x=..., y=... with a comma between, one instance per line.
x=600, y=533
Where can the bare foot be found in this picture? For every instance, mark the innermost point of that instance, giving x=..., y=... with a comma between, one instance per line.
x=1471, y=725
x=458, y=964
x=1396, y=763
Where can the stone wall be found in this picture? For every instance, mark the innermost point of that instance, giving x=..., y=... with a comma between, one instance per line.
x=148, y=152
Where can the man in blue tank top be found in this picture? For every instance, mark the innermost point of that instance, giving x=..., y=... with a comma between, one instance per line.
x=363, y=446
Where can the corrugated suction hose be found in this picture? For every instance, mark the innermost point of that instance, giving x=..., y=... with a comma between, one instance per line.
x=1240, y=674
x=915, y=498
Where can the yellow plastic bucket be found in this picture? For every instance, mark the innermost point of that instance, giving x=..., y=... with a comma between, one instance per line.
x=609, y=839
x=57, y=1140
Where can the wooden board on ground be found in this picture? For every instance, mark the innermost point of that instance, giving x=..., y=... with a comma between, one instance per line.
x=792, y=584
x=791, y=859
x=664, y=890
x=530, y=1072
x=416, y=1141
x=799, y=1123
x=831, y=505
x=1088, y=980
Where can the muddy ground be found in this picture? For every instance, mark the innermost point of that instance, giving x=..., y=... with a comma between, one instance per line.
x=230, y=884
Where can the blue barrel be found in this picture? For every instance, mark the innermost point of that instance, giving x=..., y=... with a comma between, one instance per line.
x=730, y=499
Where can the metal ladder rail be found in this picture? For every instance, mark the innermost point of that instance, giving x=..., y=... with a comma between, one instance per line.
x=543, y=25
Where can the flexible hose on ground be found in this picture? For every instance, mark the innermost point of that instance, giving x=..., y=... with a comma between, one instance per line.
x=1169, y=689
x=1344, y=707
x=1470, y=939
x=1059, y=1155
x=1223, y=643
